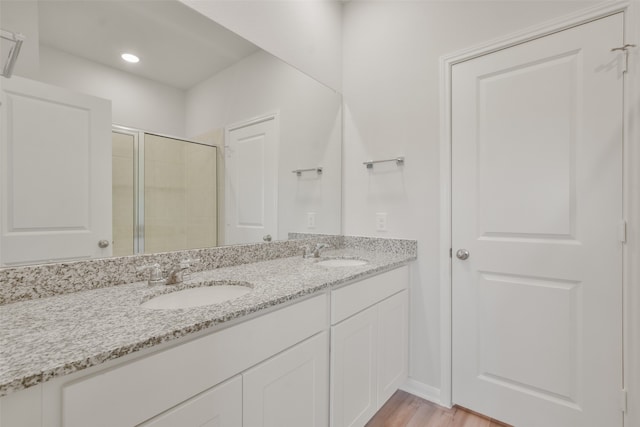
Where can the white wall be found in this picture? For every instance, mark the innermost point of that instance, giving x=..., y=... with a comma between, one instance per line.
x=136, y=102
x=391, y=89
x=310, y=123
x=306, y=34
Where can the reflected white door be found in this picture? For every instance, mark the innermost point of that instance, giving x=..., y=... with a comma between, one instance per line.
x=251, y=181
x=55, y=157
x=537, y=202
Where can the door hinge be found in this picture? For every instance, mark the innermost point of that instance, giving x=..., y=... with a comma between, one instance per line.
x=624, y=49
x=450, y=252
x=623, y=400
x=622, y=231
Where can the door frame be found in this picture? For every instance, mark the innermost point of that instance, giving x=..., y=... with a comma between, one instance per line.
x=275, y=116
x=631, y=189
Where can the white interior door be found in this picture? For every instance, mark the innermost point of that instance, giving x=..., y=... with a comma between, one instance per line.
x=251, y=166
x=537, y=202
x=55, y=157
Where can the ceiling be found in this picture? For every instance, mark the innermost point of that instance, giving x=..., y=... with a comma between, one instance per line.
x=177, y=46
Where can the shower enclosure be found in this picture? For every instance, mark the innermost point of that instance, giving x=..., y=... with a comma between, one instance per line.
x=164, y=193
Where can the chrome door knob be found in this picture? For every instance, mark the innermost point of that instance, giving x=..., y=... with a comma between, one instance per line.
x=462, y=254
x=267, y=238
x=103, y=244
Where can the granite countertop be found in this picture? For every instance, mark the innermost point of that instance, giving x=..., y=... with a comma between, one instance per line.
x=48, y=337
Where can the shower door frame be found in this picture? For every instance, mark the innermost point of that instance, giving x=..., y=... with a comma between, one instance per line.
x=138, y=188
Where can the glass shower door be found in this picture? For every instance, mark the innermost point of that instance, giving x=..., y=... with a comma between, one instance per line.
x=180, y=206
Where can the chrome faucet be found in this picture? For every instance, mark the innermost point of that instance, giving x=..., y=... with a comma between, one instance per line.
x=155, y=274
x=178, y=273
x=315, y=253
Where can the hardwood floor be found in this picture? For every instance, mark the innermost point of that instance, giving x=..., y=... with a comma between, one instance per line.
x=407, y=410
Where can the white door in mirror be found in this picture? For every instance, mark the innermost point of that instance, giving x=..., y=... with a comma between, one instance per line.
x=58, y=152
x=251, y=180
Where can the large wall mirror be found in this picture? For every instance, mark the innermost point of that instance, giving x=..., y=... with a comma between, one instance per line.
x=207, y=140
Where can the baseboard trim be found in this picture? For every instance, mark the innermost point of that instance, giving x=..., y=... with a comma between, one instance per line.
x=422, y=390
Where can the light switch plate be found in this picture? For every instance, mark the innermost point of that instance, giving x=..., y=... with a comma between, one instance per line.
x=311, y=220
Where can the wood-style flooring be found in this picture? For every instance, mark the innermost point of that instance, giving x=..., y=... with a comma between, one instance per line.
x=407, y=410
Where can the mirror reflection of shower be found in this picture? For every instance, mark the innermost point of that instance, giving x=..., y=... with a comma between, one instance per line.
x=164, y=193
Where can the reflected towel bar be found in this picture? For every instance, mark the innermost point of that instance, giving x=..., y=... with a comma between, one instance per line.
x=399, y=161
x=318, y=170
x=14, y=50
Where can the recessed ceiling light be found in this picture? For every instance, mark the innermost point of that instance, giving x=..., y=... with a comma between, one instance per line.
x=129, y=57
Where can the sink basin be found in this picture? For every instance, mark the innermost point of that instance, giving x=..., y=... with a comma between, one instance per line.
x=214, y=293
x=342, y=262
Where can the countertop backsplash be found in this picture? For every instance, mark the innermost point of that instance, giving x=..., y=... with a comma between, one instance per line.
x=44, y=280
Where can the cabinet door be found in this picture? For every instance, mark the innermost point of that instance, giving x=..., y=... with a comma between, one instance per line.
x=393, y=345
x=353, y=369
x=220, y=406
x=291, y=389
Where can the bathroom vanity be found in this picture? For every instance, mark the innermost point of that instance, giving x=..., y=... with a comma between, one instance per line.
x=316, y=342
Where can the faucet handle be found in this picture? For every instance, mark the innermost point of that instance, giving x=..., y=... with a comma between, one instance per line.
x=305, y=250
x=155, y=273
x=316, y=251
x=185, y=265
x=188, y=262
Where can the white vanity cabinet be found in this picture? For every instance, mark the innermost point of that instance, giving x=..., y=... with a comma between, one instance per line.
x=369, y=346
x=272, y=370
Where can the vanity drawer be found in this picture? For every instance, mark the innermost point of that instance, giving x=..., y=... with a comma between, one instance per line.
x=351, y=299
x=139, y=390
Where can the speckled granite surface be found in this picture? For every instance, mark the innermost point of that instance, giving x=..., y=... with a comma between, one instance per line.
x=396, y=246
x=44, y=338
x=45, y=280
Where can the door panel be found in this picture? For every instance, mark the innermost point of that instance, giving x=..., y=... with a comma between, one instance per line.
x=537, y=200
x=354, y=367
x=55, y=173
x=518, y=150
x=291, y=389
x=250, y=153
x=547, y=346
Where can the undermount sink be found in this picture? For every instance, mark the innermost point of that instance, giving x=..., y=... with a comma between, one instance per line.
x=342, y=262
x=207, y=294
